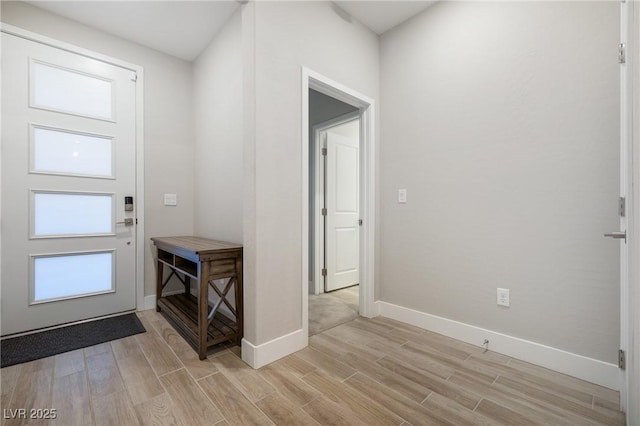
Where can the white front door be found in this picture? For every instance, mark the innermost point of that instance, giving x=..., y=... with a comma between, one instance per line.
x=342, y=201
x=68, y=162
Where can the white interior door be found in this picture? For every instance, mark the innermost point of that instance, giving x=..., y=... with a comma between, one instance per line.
x=342, y=201
x=68, y=162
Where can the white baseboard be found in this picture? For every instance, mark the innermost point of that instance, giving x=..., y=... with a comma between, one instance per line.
x=150, y=301
x=256, y=356
x=589, y=369
x=266, y=353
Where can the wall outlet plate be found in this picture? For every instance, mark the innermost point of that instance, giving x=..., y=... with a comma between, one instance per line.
x=503, y=297
x=170, y=199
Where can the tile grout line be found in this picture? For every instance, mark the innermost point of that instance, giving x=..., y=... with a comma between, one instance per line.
x=304, y=405
x=350, y=376
x=86, y=378
x=247, y=396
x=211, y=400
x=86, y=374
x=170, y=348
x=204, y=377
x=119, y=373
x=258, y=408
x=176, y=354
x=427, y=397
x=13, y=391
x=53, y=378
x=253, y=403
x=153, y=369
x=146, y=357
x=553, y=408
x=478, y=404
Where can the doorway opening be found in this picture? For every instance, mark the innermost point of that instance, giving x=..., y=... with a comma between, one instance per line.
x=334, y=212
x=338, y=204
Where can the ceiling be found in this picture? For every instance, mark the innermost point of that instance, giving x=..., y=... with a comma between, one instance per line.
x=179, y=28
x=381, y=16
x=184, y=28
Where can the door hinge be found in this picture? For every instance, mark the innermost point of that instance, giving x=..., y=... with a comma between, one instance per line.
x=622, y=206
x=134, y=76
x=360, y=222
x=324, y=211
x=324, y=151
x=621, y=359
x=324, y=272
x=622, y=54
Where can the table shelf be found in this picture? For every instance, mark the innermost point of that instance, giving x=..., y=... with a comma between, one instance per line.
x=183, y=311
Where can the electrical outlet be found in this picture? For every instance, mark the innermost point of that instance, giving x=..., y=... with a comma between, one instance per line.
x=503, y=297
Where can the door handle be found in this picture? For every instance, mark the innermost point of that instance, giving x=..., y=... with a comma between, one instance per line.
x=127, y=222
x=618, y=235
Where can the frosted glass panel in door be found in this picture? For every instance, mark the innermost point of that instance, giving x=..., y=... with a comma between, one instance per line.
x=69, y=91
x=71, y=214
x=71, y=275
x=64, y=152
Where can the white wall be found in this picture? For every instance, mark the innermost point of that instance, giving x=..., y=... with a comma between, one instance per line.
x=218, y=109
x=288, y=35
x=502, y=121
x=168, y=113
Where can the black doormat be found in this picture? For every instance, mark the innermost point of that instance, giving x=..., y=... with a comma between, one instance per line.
x=30, y=347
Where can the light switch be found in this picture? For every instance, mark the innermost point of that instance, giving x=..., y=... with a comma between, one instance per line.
x=402, y=196
x=170, y=199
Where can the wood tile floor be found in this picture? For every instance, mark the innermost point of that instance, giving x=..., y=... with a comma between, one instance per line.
x=328, y=310
x=364, y=372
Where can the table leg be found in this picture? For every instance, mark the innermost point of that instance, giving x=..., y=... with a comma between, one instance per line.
x=203, y=311
x=159, y=284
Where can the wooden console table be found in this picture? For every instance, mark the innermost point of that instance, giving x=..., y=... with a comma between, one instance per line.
x=204, y=260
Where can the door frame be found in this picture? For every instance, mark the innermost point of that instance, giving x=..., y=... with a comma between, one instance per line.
x=367, y=107
x=139, y=142
x=630, y=159
x=318, y=221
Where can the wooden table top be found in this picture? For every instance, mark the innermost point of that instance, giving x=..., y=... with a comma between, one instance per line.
x=196, y=245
